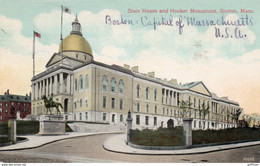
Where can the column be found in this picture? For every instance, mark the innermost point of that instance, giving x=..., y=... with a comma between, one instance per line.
x=40, y=90
x=164, y=97
x=55, y=84
x=43, y=88
x=51, y=91
x=32, y=97
x=68, y=84
x=47, y=87
x=61, y=82
x=187, y=131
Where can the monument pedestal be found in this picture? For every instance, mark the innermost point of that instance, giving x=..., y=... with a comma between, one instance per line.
x=52, y=125
x=12, y=130
x=187, y=131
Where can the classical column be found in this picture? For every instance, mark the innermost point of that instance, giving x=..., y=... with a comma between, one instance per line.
x=51, y=85
x=36, y=90
x=40, y=90
x=172, y=102
x=164, y=97
x=55, y=84
x=43, y=87
x=47, y=87
x=32, y=92
x=61, y=82
x=68, y=84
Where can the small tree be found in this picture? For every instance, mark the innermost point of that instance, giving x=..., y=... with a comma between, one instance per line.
x=236, y=115
x=185, y=107
x=204, y=110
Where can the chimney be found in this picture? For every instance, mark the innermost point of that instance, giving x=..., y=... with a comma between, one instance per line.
x=127, y=66
x=135, y=69
x=7, y=92
x=173, y=81
x=151, y=74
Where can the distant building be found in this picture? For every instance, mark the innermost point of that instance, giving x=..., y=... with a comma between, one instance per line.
x=242, y=123
x=92, y=91
x=21, y=105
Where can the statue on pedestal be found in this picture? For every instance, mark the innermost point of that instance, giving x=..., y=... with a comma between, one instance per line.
x=49, y=103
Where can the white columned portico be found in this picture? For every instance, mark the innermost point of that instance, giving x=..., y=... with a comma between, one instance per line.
x=68, y=83
x=61, y=82
x=55, y=84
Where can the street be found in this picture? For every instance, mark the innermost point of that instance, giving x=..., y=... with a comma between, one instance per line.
x=89, y=150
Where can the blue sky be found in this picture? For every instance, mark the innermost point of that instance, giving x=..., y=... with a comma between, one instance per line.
x=228, y=66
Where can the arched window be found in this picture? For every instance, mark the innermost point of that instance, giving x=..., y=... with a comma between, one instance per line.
x=138, y=107
x=146, y=93
x=86, y=82
x=113, y=84
x=138, y=91
x=155, y=95
x=80, y=82
x=104, y=83
x=121, y=86
x=147, y=108
x=76, y=84
x=155, y=109
x=194, y=102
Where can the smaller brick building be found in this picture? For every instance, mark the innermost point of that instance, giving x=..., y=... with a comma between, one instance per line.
x=20, y=103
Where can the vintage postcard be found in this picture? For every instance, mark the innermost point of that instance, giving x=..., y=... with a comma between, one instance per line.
x=111, y=81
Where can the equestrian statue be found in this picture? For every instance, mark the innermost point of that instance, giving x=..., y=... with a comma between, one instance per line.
x=49, y=103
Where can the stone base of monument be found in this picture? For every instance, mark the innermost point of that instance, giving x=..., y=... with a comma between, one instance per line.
x=52, y=125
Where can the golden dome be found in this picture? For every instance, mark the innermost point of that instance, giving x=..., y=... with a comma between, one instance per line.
x=75, y=42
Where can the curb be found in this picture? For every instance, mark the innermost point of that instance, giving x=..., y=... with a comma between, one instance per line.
x=33, y=147
x=192, y=151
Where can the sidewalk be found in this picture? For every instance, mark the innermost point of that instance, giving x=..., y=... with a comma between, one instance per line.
x=35, y=141
x=117, y=144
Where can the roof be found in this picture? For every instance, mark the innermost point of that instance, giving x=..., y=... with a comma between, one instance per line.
x=12, y=97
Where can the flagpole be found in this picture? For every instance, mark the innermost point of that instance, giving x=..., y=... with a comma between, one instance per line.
x=61, y=33
x=33, y=53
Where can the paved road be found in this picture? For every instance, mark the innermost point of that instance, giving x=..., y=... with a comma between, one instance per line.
x=89, y=149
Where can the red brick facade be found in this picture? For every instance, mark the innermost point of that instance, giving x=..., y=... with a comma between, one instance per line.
x=19, y=103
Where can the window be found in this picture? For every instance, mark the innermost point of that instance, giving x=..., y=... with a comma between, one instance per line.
x=138, y=91
x=121, y=118
x=104, y=83
x=155, y=95
x=75, y=105
x=167, y=111
x=147, y=108
x=121, y=104
x=77, y=56
x=203, y=124
x=76, y=84
x=199, y=104
x=155, y=109
x=113, y=117
x=194, y=124
x=75, y=117
x=137, y=107
x=200, y=124
x=138, y=119
x=80, y=82
x=194, y=113
x=104, y=116
x=146, y=120
x=1, y=110
x=86, y=102
x=194, y=102
x=121, y=86
x=0, y=117
x=80, y=103
x=86, y=115
x=86, y=82
x=80, y=116
x=104, y=101
x=171, y=112
x=146, y=93
x=163, y=111
x=113, y=84
x=6, y=104
x=155, y=121
x=1, y=104
x=113, y=103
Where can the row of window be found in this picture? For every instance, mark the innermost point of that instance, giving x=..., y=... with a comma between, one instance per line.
x=104, y=117
x=113, y=100
x=80, y=85
x=7, y=104
x=147, y=89
x=81, y=104
x=112, y=85
x=137, y=120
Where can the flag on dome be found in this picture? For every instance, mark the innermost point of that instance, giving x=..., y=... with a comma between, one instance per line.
x=37, y=34
x=66, y=9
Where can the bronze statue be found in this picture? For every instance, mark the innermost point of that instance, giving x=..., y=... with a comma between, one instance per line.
x=50, y=103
